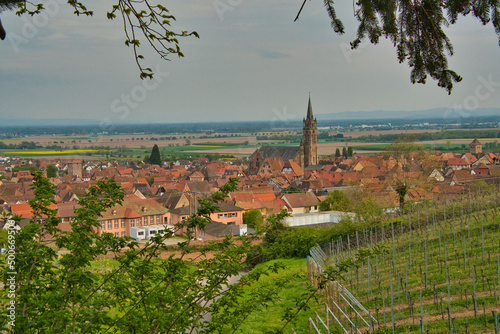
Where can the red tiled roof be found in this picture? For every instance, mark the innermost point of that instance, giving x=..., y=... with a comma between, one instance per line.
x=457, y=162
x=299, y=200
x=24, y=209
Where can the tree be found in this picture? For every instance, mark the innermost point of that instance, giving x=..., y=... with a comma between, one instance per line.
x=61, y=293
x=411, y=159
x=253, y=218
x=292, y=190
x=416, y=30
x=350, y=153
x=2, y=31
x=142, y=293
x=369, y=210
x=141, y=22
x=214, y=157
x=344, y=152
x=337, y=153
x=155, y=157
x=338, y=201
x=51, y=171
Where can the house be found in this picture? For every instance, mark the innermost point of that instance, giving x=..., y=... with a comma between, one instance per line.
x=184, y=163
x=198, y=187
x=461, y=177
x=301, y=202
x=482, y=169
x=217, y=230
x=196, y=177
x=134, y=212
x=172, y=199
x=436, y=174
x=485, y=159
x=458, y=163
x=469, y=157
x=260, y=161
x=227, y=213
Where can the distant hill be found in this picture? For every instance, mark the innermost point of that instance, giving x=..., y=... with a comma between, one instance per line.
x=444, y=114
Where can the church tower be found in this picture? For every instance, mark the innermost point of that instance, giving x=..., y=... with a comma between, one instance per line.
x=310, y=138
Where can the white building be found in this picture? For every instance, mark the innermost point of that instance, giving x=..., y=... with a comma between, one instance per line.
x=315, y=218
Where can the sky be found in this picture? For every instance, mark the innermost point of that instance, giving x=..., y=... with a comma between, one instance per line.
x=252, y=62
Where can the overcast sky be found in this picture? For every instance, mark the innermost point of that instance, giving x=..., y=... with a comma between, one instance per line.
x=252, y=62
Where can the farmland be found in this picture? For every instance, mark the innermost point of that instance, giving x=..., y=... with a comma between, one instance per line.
x=237, y=145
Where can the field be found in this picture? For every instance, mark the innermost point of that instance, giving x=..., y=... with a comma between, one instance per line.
x=42, y=152
x=195, y=145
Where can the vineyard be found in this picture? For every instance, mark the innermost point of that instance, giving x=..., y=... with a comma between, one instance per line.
x=441, y=273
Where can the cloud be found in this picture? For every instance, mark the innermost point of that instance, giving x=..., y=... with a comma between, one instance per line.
x=272, y=54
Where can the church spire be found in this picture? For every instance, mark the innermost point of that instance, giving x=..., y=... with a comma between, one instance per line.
x=309, y=143
x=309, y=110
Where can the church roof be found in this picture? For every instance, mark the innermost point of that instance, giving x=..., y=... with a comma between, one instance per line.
x=284, y=152
x=475, y=142
x=309, y=111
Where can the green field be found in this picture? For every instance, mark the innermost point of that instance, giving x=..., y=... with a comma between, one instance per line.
x=291, y=285
x=438, y=147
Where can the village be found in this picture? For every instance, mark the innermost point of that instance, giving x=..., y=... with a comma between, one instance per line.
x=272, y=179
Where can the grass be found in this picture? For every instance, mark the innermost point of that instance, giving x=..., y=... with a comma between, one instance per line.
x=104, y=264
x=271, y=318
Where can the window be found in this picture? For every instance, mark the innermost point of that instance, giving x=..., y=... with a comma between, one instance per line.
x=116, y=223
x=139, y=221
x=152, y=232
x=140, y=233
x=225, y=215
x=234, y=214
x=117, y=234
x=103, y=225
x=146, y=220
x=123, y=234
x=110, y=224
x=160, y=231
x=220, y=215
x=158, y=219
x=123, y=222
x=315, y=207
x=132, y=223
x=231, y=223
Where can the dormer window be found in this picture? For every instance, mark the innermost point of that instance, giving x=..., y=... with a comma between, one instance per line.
x=144, y=209
x=114, y=212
